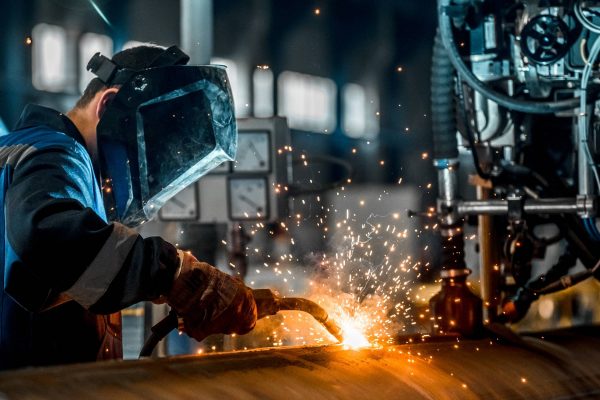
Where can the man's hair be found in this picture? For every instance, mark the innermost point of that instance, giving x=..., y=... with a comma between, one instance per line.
x=135, y=58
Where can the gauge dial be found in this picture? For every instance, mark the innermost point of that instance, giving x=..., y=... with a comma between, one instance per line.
x=248, y=198
x=183, y=206
x=253, y=154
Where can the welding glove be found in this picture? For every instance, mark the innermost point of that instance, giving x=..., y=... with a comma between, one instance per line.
x=210, y=301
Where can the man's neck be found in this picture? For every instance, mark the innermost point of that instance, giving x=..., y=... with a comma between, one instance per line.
x=87, y=127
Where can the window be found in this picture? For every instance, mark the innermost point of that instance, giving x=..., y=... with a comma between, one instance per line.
x=90, y=44
x=309, y=102
x=239, y=85
x=263, y=92
x=49, y=58
x=360, y=118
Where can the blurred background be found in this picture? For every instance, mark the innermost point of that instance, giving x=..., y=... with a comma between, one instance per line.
x=367, y=62
x=350, y=76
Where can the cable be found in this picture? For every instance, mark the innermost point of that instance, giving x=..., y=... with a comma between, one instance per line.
x=589, y=25
x=524, y=106
x=568, y=281
x=583, y=49
x=582, y=122
x=158, y=332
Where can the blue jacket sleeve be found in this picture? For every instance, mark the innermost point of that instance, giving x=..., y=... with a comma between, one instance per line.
x=62, y=244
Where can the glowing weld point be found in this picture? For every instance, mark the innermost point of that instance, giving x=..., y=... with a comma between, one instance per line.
x=353, y=336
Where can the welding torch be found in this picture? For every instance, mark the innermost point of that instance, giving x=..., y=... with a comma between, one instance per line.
x=518, y=305
x=267, y=303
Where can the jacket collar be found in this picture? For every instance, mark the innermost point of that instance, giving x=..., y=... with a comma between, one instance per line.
x=34, y=115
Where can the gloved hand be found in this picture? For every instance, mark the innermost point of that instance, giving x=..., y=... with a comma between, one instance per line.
x=210, y=301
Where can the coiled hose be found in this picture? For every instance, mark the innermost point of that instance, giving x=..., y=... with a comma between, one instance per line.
x=443, y=118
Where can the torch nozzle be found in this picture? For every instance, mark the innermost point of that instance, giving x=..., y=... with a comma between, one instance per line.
x=269, y=303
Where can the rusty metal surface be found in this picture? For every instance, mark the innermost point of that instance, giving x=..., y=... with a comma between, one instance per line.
x=564, y=364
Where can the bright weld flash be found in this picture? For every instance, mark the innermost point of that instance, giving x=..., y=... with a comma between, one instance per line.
x=353, y=336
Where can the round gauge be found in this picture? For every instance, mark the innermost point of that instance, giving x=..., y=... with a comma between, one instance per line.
x=248, y=198
x=183, y=206
x=253, y=154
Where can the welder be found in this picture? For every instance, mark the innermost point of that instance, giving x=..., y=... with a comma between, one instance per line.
x=72, y=187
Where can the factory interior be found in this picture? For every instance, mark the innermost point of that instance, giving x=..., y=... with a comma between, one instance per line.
x=408, y=192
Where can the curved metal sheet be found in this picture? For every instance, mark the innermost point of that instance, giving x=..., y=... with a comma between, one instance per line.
x=564, y=364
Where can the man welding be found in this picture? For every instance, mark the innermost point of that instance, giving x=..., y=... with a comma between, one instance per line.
x=74, y=184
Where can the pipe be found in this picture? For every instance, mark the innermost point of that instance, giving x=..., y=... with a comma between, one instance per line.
x=197, y=30
x=530, y=206
x=562, y=365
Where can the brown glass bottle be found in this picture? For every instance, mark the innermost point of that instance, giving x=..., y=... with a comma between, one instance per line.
x=455, y=309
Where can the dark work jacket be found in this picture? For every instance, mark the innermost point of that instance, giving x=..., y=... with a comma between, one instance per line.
x=56, y=242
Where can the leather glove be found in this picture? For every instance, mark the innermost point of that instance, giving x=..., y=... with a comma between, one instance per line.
x=210, y=301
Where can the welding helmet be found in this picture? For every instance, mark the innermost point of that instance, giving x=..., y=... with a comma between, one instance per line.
x=167, y=126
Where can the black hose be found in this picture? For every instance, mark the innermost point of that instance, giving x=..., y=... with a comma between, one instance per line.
x=530, y=107
x=158, y=332
x=445, y=144
x=443, y=117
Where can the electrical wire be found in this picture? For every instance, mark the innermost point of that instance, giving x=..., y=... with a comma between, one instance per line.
x=582, y=120
x=583, y=50
x=582, y=125
x=589, y=25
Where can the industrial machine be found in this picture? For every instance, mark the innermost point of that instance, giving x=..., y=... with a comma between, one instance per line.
x=518, y=80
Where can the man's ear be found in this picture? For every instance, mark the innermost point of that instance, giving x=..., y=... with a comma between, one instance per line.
x=105, y=98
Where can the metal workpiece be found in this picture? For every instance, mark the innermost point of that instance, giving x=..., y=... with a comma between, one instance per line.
x=530, y=206
x=562, y=365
